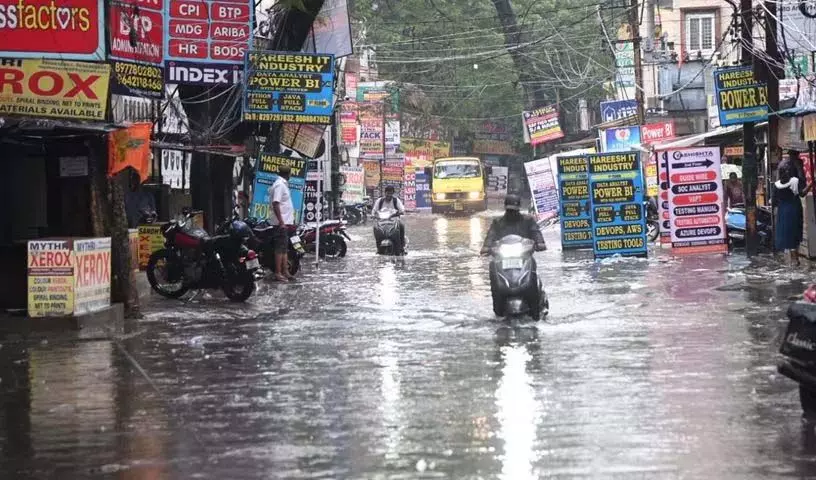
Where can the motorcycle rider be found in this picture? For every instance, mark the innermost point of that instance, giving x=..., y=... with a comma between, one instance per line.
x=390, y=202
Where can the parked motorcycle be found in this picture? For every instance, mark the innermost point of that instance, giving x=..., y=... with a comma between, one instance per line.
x=262, y=242
x=351, y=214
x=735, y=226
x=652, y=220
x=191, y=259
x=514, y=283
x=333, y=238
x=799, y=350
x=387, y=234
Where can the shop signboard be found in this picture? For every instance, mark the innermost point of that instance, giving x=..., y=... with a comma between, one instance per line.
x=354, y=187
x=137, y=31
x=150, y=240
x=50, y=278
x=650, y=172
x=654, y=133
x=573, y=196
x=92, y=275
x=54, y=89
x=372, y=175
x=663, y=197
x=616, y=199
x=393, y=174
x=266, y=175
x=60, y=29
x=542, y=187
x=492, y=147
x=497, y=182
x=137, y=80
x=541, y=125
x=302, y=138
x=348, y=124
x=740, y=96
x=696, y=200
x=212, y=32
x=286, y=87
x=423, y=191
x=622, y=139
x=618, y=109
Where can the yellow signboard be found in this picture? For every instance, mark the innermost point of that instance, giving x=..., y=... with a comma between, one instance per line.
x=54, y=88
x=150, y=240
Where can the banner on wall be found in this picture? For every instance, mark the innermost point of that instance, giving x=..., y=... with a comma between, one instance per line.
x=663, y=198
x=354, y=187
x=621, y=139
x=616, y=200
x=573, y=196
x=207, y=31
x=61, y=29
x=282, y=87
x=130, y=147
x=423, y=190
x=696, y=200
x=409, y=187
x=137, y=80
x=497, y=182
x=541, y=125
x=92, y=275
x=655, y=133
x=54, y=89
x=137, y=34
x=740, y=96
x=50, y=278
x=266, y=174
x=372, y=176
x=542, y=187
x=304, y=139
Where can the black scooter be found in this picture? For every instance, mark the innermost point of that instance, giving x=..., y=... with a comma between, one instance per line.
x=387, y=234
x=514, y=283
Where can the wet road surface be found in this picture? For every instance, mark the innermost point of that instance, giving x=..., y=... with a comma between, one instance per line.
x=373, y=368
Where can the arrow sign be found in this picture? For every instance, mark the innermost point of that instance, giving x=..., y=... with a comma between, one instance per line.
x=696, y=164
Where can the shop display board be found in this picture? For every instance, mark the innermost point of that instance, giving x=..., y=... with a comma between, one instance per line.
x=573, y=198
x=616, y=197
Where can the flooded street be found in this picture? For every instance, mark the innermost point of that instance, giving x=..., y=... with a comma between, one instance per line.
x=373, y=368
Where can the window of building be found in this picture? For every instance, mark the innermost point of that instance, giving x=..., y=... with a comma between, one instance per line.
x=700, y=33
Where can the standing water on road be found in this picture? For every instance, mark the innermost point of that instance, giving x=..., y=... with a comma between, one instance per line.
x=375, y=367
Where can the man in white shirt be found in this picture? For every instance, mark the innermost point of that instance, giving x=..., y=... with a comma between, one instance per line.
x=283, y=214
x=393, y=204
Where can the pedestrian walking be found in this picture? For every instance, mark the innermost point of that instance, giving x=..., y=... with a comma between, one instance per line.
x=283, y=214
x=787, y=193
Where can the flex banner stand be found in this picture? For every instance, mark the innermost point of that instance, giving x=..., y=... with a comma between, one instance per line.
x=573, y=199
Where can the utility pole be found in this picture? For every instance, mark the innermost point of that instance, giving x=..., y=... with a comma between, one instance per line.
x=634, y=28
x=749, y=160
x=772, y=74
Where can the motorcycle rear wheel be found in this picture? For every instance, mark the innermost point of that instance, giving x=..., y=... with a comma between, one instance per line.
x=240, y=289
x=294, y=263
x=154, y=266
x=333, y=246
x=653, y=229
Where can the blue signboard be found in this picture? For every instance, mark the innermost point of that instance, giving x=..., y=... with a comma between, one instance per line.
x=573, y=196
x=289, y=88
x=423, y=191
x=740, y=97
x=617, y=109
x=616, y=196
x=266, y=175
x=622, y=139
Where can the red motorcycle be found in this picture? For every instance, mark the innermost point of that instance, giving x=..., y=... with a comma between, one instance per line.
x=333, y=238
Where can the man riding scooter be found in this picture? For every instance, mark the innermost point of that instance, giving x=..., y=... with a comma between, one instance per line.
x=513, y=222
x=390, y=202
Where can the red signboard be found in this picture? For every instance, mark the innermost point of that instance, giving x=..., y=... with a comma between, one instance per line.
x=144, y=25
x=657, y=132
x=208, y=31
x=66, y=29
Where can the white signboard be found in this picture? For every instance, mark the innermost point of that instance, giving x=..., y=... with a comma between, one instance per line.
x=497, y=183
x=696, y=200
x=542, y=187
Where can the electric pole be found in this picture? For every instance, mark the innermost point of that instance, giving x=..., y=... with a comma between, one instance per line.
x=634, y=27
x=749, y=160
x=772, y=74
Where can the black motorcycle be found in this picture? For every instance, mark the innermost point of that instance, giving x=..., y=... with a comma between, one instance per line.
x=387, y=234
x=192, y=260
x=652, y=220
x=262, y=242
x=514, y=283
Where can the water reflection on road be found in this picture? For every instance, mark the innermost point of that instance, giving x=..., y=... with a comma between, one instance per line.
x=375, y=368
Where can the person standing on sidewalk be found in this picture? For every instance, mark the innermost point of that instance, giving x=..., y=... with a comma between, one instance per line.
x=283, y=214
x=787, y=193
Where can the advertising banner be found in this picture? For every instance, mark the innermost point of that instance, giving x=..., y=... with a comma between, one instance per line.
x=372, y=176
x=497, y=182
x=54, y=89
x=304, y=139
x=137, y=80
x=696, y=200
x=423, y=191
x=392, y=132
x=207, y=31
x=331, y=30
x=541, y=125
x=622, y=139
x=573, y=196
x=654, y=133
x=60, y=29
x=348, y=124
x=409, y=188
x=371, y=133
x=312, y=206
x=50, y=278
x=421, y=152
x=616, y=198
x=542, y=187
x=740, y=96
x=618, y=109
x=282, y=87
x=142, y=21
x=354, y=188
x=92, y=275
x=130, y=147
x=376, y=92
x=663, y=197
x=492, y=147
x=393, y=174
x=191, y=73
x=650, y=172
x=150, y=240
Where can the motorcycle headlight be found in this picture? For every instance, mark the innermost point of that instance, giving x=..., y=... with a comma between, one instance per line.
x=473, y=195
x=440, y=196
x=514, y=250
